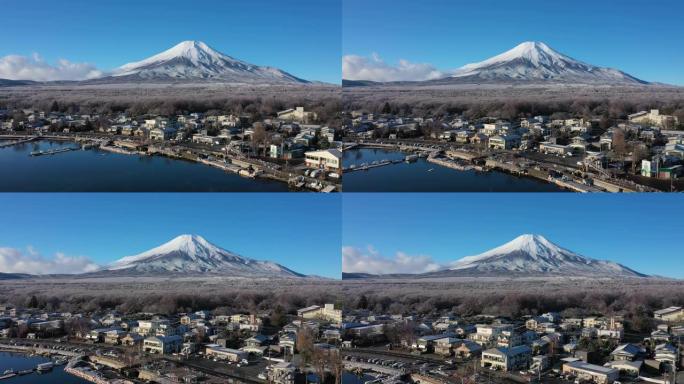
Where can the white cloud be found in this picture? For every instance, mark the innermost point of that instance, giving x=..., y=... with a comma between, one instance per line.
x=14, y=260
x=375, y=69
x=16, y=67
x=370, y=261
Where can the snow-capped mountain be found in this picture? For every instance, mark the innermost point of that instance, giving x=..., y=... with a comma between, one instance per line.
x=534, y=61
x=192, y=254
x=196, y=61
x=534, y=255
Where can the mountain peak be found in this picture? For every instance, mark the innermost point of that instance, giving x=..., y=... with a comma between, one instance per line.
x=193, y=60
x=533, y=53
x=192, y=49
x=534, y=61
x=531, y=238
x=193, y=254
x=535, y=254
x=187, y=242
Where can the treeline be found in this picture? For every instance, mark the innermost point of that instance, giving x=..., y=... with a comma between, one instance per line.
x=513, y=298
x=226, y=302
x=575, y=299
x=139, y=102
x=514, y=109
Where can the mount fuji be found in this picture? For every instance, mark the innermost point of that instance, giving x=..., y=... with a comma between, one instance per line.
x=195, y=61
x=526, y=256
x=193, y=255
x=536, y=62
x=534, y=255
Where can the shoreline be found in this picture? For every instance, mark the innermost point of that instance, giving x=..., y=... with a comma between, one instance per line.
x=450, y=165
x=600, y=186
x=242, y=168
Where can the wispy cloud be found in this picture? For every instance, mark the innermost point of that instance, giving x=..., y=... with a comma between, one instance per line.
x=369, y=260
x=374, y=68
x=16, y=67
x=13, y=260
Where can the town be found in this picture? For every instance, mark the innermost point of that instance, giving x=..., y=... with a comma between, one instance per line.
x=200, y=346
x=644, y=152
x=326, y=341
x=548, y=348
x=292, y=146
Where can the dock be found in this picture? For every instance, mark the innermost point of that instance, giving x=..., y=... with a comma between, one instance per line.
x=453, y=164
x=366, y=166
x=17, y=142
x=574, y=186
x=52, y=151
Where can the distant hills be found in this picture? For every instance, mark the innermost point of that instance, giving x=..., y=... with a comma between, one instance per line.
x=14, y=83
x=531, y=62
x=14, y=276
x=527, y=255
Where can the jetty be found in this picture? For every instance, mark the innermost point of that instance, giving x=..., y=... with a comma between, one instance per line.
x=17, y=142
x=52, y=151
x=452, y=164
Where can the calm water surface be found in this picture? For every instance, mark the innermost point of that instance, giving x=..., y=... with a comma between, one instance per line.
x=20, y=362
x=99, y=171
x=416, y=177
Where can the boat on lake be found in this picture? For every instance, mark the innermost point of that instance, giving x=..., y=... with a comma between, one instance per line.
x=44, y=367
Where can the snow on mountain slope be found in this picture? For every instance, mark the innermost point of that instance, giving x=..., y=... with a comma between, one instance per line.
x=192, y=254
x=535, y=255
x=196, y=61
x=534, y=61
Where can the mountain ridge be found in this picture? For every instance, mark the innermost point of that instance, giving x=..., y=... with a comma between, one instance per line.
x=533, y=254
x=193, y=255
x=530, y=62
x=536, y=61
x=526, y=256
x=195, y=61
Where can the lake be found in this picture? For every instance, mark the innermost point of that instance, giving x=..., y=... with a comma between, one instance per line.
x=18, y=362
x=417, y=177
x=95, y=170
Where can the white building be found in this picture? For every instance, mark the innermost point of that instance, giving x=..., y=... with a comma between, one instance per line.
x=330, y=159
x=654, y=117
x=327, y=312
x=297, y=114
x=507, y=359
x=228, y=354
x=594, y=373
x=670, y=314
x=162, y=344
x=162, y=134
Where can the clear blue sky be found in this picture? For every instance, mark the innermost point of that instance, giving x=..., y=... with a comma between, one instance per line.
x=641, y=231
x=299, y=36
x=299, y=231
x=640, y=37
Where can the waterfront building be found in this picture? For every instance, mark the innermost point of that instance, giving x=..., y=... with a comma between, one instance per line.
x=329, y=159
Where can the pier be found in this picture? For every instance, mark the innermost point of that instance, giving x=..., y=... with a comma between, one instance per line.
x=53, y=151
x=447, y=163
x=17, y=142
x=365, y=166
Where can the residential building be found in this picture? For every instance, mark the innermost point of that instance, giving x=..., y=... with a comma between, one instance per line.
x=326, y=312
x=228, y=354
x=297, y=114
x=590, y=372
x=670, y=314
x=507, y=359
x=162, y=345
x=330, y=159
